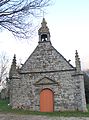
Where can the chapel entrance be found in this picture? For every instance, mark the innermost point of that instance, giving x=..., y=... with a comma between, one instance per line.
x=46, y=100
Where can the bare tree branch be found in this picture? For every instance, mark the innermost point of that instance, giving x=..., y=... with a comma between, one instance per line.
x=15, y=15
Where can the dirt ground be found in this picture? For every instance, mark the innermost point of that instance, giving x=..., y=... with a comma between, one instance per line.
x=33, y=117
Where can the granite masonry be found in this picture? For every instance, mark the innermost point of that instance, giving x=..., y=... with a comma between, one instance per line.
x=47, y=82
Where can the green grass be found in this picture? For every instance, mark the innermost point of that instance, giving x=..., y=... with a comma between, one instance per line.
x=4, y=108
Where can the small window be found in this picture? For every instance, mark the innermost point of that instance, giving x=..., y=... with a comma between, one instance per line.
x=44, y=37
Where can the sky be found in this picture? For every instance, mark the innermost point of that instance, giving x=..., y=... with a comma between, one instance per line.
x=68, y=22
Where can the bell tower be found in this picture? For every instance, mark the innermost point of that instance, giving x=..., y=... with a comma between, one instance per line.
x=43, y=32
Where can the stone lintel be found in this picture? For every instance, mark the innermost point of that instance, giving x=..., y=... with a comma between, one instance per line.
x=45, y=84
x=77, y=74
x=44, y=41
x=15, y=77
x=28, y=72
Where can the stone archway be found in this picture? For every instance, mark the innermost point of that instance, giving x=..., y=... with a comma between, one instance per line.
x=46, y=100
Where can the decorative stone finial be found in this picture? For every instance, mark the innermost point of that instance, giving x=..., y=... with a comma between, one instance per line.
x=13, y=67
x=14, y=60
x=77, y=62
x=44, y=23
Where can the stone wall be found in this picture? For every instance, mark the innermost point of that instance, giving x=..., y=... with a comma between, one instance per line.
x=28, y=92
x=46, y=58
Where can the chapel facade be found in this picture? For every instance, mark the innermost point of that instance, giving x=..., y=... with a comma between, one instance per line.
x=47, y=82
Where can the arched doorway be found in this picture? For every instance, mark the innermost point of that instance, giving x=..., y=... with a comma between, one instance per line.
x=46, y=100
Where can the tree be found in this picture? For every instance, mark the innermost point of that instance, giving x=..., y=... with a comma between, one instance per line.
x=86, y=84
x=3, y=72
x=15, y=15
x=3, y=67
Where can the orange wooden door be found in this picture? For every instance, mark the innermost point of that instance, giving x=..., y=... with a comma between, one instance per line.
x=46, y=101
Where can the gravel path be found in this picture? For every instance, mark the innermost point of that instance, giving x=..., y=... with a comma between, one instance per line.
x=33, y=117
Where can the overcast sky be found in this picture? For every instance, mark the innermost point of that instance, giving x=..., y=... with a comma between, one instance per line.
x=68, y=22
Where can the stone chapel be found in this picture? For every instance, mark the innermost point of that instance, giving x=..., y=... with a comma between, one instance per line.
x=47, y=82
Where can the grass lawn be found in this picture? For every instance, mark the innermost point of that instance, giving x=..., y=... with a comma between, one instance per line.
x=4, y=108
